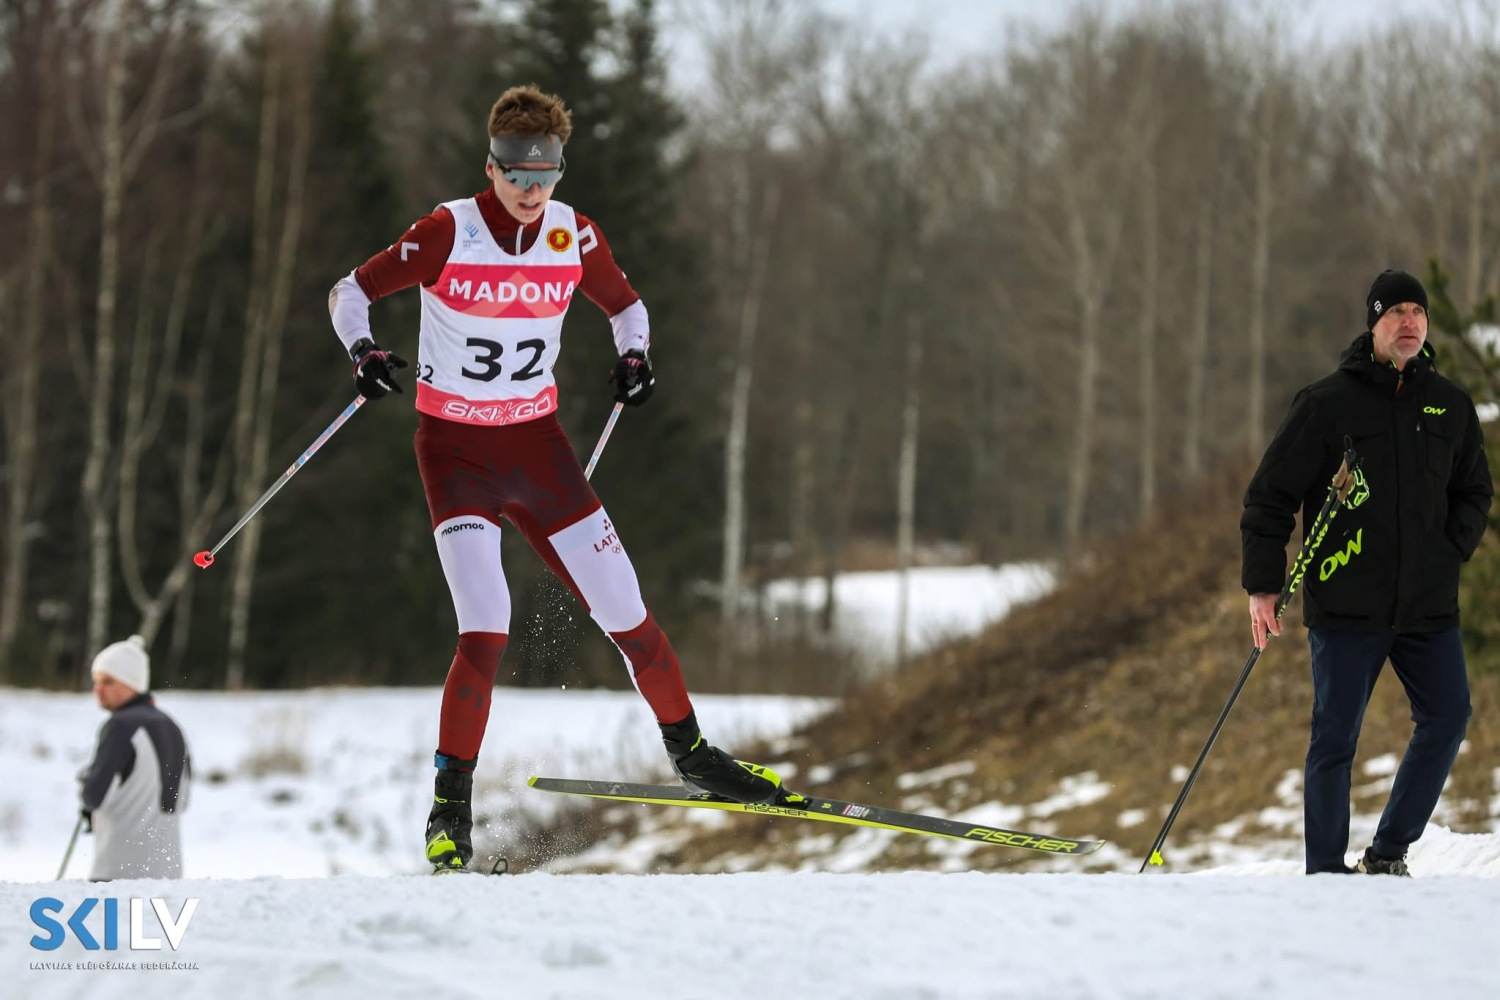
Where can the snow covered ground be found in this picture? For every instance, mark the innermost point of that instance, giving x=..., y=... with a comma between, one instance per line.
x=1250, y=933
x=300, y=786
x=946, y=602
x=327, y=782
x=337, y=780
x=303, y=847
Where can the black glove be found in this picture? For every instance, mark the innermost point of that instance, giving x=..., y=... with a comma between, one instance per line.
x=374, y=369
x=88, y=820
x=632, y=378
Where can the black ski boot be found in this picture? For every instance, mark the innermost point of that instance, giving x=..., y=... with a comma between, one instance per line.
x=708, y=769
x=1379, y=864
x=449, y=826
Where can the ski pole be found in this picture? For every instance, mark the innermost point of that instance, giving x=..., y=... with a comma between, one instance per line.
x=205, y=558
x=1338, y=490
x=609, y=427
x=68, y=854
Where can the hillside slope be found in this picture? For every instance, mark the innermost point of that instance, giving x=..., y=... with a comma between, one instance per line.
x=1080, y=715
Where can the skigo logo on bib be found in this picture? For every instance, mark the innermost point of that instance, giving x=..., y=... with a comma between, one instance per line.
x=90, y=929
x=508, y=412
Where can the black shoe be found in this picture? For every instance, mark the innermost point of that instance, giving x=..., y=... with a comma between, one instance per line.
x=450, y=824
x=1379, y=864
x=708, y=769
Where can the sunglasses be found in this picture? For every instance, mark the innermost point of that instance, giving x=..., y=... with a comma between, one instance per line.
x=527, y=178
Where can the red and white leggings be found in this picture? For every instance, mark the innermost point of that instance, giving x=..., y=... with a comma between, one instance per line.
x=527, y=473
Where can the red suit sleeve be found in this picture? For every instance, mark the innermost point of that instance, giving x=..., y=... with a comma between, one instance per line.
x=603, y=281
x=417, y=258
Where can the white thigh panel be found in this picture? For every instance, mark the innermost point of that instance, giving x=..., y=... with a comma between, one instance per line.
x=469, y=548
x=593, y=556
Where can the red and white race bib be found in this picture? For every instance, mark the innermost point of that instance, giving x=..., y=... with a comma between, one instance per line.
x=492, y=322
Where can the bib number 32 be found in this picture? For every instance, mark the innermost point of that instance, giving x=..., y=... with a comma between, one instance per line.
x=488, y=358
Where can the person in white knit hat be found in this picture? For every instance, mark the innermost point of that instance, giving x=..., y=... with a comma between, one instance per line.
x=136, y=786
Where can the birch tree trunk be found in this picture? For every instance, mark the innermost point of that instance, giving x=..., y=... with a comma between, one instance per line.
x=1197, y=346
x=803, y=474
x=1091, y=270
x=245, y=417
x=1146, y=363
x=906, y=476
x=1480, y=185
x=1086, y=407
x=1260, y=271
x=119, y=160
x=756, y=239
x=195, y=432
x=803, y=459
x=145, y=412
x=844, y=465
x=269, y=316
x=111, y=155
x=135, y=436
x=853, y=429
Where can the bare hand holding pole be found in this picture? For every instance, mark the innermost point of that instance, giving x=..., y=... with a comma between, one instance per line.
x=1265, y=619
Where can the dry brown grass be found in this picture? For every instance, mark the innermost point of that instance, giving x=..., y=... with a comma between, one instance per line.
x=1122, y=671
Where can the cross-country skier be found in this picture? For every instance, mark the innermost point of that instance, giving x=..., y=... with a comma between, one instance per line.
x=497, y=272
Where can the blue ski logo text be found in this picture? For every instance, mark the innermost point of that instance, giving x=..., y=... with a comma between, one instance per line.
x=54, y=929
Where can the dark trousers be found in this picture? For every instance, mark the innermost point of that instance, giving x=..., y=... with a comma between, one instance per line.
x=1345, y=666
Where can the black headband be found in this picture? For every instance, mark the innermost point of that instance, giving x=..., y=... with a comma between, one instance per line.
x=509, y=150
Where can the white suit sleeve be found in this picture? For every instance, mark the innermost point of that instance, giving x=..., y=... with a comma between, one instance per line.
x=631, y=328
x=349, y=308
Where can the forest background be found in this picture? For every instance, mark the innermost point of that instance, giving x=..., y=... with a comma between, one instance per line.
x=902, y=309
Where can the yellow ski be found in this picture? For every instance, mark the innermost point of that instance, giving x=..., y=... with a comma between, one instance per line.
x=827, y=810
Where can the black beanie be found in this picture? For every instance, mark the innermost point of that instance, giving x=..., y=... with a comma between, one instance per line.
x=1389, y=289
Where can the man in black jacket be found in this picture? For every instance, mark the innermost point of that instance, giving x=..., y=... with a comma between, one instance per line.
x=1384, y=583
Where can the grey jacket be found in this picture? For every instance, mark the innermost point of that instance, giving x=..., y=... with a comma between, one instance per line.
x=134, y=790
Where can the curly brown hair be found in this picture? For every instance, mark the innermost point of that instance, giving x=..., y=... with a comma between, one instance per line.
x=527, y=110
